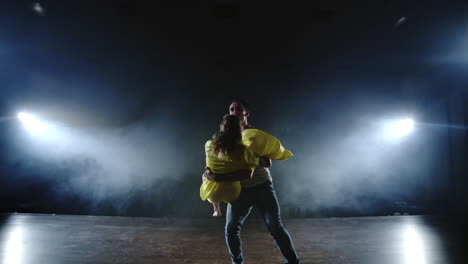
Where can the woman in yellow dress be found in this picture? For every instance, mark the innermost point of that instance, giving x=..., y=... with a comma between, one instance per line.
x=225, y=153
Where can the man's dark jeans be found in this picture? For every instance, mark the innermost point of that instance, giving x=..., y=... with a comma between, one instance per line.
x=263, y=197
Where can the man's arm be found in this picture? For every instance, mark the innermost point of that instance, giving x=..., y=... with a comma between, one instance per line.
x=233, y=176
x=236, y=175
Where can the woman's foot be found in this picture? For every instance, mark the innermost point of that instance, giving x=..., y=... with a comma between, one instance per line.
x=217, y=213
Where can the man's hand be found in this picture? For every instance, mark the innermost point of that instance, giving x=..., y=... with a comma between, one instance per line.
x=233, y=176
x=265, y=162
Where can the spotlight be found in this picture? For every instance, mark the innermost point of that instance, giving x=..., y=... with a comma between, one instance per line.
x=399, y=128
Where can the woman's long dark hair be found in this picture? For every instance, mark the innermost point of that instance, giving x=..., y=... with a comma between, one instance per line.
x=229, y=137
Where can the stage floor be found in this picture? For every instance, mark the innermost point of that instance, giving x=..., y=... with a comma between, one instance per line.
x=51, y=239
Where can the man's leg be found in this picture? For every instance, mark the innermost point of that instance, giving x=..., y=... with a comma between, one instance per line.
x=236, y=213
x=268, y=206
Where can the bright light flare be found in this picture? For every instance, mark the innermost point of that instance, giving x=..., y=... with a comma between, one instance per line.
x=414, y=252
x=38, y=8
x=41, y=129
x=399, y=128
x=25, y=117
x=13, y=250
x=32, y=123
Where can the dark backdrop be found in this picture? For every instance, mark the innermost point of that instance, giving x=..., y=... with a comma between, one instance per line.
x=136, y=89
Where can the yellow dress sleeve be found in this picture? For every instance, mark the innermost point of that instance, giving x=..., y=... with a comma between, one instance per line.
x=264, y=145
x=250, y=158
x=207, y=154
x=215, y=163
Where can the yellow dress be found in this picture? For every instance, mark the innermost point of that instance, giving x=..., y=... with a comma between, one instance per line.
x=216, y=192
x=258, y=144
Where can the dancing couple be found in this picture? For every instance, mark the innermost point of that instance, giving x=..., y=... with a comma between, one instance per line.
x=237, y=162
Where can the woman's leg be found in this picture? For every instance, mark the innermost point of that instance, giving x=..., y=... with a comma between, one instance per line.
x=217, y=210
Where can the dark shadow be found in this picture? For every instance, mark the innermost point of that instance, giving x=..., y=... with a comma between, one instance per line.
x=451, y=232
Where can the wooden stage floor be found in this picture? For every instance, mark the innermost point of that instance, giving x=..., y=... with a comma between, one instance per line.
x=53, y=239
